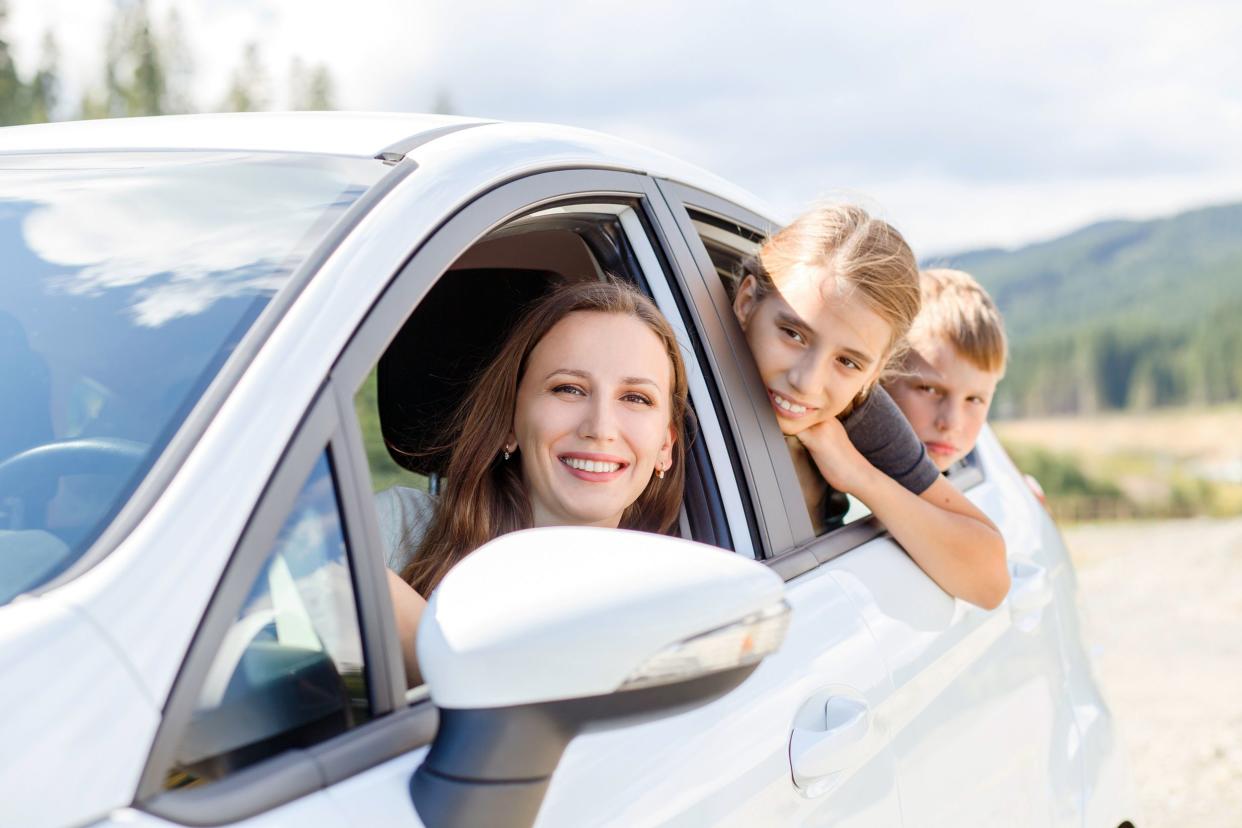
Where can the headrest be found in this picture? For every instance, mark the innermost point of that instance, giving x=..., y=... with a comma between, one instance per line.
x=452, y=336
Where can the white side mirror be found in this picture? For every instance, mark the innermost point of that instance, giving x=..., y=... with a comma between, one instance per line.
x=539, y=633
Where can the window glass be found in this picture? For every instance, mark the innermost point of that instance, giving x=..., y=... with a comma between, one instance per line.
x=729, y=245
x=126, y=281
x=289, y=671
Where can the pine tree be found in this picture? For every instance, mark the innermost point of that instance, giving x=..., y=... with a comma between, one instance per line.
x=178, y=66
x=310, y=90
x=321, y=93
x=134, y=74
x=13, y=94
x=44, y=90
x=248, y=89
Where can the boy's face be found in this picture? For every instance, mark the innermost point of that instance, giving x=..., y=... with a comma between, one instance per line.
x=946, y=399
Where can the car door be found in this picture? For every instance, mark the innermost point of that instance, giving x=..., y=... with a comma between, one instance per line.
x=975, y=712
x=726, y=762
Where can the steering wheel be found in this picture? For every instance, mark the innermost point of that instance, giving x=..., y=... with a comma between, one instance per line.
x=36, y=470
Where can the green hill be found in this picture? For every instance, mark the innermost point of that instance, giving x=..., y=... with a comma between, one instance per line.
x=1120, y=314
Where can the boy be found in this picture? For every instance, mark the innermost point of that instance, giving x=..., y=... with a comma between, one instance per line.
x=957, y=356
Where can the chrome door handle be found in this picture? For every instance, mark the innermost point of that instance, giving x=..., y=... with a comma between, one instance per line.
x=817, y=756
x=1030, y=590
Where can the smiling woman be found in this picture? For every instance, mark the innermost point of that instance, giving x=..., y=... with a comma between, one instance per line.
x=593, y=420
x=576, y=422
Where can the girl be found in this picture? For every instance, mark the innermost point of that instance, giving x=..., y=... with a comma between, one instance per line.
x=562, y=429
x=825, y=305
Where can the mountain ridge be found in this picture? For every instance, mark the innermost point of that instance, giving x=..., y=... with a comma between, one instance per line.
x=1146, y=311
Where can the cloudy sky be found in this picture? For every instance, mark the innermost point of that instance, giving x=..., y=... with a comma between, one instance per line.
x=966, y=124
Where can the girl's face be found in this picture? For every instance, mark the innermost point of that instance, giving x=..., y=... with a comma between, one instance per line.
x=593, y=418
x=816, y=349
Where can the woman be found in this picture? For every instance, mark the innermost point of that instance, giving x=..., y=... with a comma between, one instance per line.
x=825, y=305
x=563, y=428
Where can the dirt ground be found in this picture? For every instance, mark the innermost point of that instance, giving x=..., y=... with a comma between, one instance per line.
x=1163, y=606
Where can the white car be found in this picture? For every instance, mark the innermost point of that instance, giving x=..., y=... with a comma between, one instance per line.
x=222, y=334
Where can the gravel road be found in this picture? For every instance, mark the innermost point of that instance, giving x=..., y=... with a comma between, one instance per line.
x=1164, y=619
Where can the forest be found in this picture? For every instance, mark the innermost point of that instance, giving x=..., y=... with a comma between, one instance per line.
x=1120, y=315
x=147, y=69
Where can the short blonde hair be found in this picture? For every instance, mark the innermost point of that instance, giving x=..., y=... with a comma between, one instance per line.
x=958, y=310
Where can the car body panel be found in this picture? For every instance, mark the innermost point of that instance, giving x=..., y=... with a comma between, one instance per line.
x=949, y=690
x=727, y=763
x=73, y=707
x=978, y=701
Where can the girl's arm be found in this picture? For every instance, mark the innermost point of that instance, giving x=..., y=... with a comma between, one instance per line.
x=945, y=534
x=407, y=606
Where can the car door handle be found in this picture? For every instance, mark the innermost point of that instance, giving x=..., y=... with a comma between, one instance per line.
x=1031, y=588
x=818, y=755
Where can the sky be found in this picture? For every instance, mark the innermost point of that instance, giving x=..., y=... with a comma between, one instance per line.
x=964, y=124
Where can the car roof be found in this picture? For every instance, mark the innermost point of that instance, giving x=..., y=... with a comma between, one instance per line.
x=361, y=135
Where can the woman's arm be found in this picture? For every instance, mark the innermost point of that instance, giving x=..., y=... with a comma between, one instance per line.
x=945, y=534
x=407, y=606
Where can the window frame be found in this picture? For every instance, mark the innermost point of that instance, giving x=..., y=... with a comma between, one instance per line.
x=296, y=772
x=630, y=192
x=806, y=551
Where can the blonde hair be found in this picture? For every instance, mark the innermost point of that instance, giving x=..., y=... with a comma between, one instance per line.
x=959, y=311
x=859, y=252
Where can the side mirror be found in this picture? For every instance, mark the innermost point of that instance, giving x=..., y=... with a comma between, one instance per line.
x=541, y=633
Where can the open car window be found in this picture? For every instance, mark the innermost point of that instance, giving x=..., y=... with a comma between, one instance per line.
x=445, y=315
x=729, y=245
x=406, y=405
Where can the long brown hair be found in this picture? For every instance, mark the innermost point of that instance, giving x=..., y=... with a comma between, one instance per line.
x=483, y=496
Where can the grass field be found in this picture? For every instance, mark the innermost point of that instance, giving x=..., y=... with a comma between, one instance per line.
x=1163, y=463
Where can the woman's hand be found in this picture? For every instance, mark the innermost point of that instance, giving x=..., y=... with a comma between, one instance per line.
x=835, y=456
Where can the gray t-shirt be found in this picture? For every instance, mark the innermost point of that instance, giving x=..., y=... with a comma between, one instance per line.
x=883, y=435
x=404, y=515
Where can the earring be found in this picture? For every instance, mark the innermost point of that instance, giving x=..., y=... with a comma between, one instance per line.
x=660, y=471
x=507, y=452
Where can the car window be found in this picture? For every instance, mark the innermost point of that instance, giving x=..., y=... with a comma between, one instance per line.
x=408, y=399
x=729, y=245
x=289, y=671
x=129, y=279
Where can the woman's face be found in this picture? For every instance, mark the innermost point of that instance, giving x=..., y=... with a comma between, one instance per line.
x=593, y=418
x=816, y=349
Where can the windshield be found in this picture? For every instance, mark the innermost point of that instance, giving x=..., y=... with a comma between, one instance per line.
x=126, y=280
